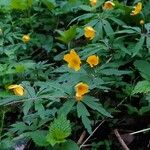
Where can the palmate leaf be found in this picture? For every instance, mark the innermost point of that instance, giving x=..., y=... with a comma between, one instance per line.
x=59, y=130
x=95, y=105
x=83, y=113
x=142, y=87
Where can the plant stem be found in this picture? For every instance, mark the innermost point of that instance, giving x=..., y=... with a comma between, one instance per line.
x=144, y=130
x=92, y=133
x=2, y=123
x=125, y=147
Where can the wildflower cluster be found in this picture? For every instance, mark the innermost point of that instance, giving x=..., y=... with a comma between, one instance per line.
x=72, y=63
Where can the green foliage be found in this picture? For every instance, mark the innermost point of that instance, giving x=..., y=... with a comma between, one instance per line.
x=91, y=102
x=83, y=113
x=22, y=5
x=68, y=35
x=67, y=146
x=144, y=68
x=142, y=87
x=121, y=78
x=59, y=130
x=49, y=3
x=39, y=137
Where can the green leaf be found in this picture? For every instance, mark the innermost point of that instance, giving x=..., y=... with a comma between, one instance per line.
x=138, y=46
x=132, y=110
x=59, y=130
x=81, y=110
x=108, y=29
x=87, y=123
x=6, y=144
x=83, y=17
x=144, y=68
x=21, y=5
x=126, y=31
x=118, y=21
x=66, y=108
x=69, y=145
x=50, y=4
x=99, y=29
x=145, y=109
x=148, y=43
x=114, y=72
x=39, y=137
x=142, y=87
x=91, y=102
x=86, y=7
x=26, y=106
x=68, y=35
x=83, y=113
x=40, y=109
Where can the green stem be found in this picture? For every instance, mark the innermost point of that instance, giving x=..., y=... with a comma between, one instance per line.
x=2, y=123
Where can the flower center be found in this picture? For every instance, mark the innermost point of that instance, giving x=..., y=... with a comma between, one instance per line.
x=75, y=61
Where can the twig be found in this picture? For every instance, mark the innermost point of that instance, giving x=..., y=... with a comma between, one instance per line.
x=144, y=130
x=109, y=60
x=92, y=133
x=81, y=137
x=125, y=147
x=87, y=145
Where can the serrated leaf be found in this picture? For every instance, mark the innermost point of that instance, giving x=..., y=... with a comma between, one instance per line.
x=59, y=130
x=39, y=138
x=142, y=87
x=87, y=123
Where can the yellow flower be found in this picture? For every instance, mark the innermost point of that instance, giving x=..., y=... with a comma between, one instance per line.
x=81, y=89
x=73, y=60
x=89, y=32
x=142, y=22
x=26, y=38
x=137, y=9
x=93, y=60
x=93, y=2
x=17, y=89
x=108, y=5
